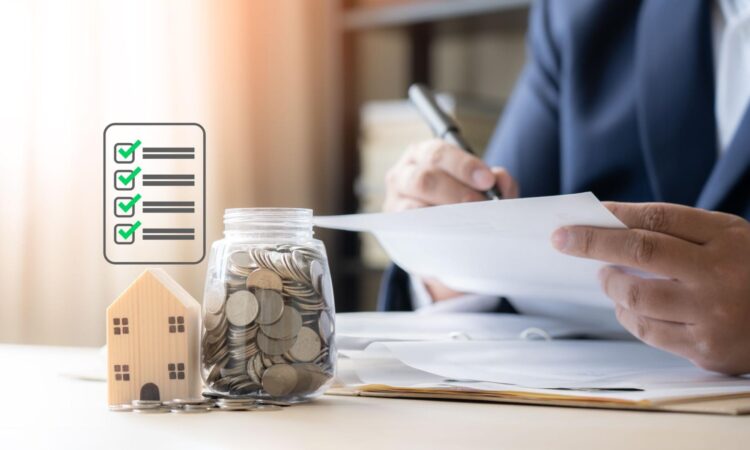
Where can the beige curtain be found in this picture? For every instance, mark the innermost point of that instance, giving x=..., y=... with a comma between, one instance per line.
x=256, y=74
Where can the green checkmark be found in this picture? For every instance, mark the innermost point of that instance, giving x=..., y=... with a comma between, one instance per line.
x=127, y=180
x=128, y=152
x=130, y=231
x=125, y=207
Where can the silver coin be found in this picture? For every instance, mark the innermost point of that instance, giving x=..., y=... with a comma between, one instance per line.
x=240, y=258
x=241, y=308
x=146, y=403
x=264, y=279
x=157, y=410
x=279, y=380
x=212, y=321
x=238, y=408
x=286, y=327
x=307, y=346
x=325, y=326
x=192, y=409
x=327, y=288
x=271, y=346
x=271, y=305
x=213, y=301
x=125, y=407
x=316, y=274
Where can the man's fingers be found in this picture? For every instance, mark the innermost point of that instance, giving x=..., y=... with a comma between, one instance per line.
x=433, y=186
x=464, y=167
x=646, y=250
x=653, y=298
x=691, y=224
x=505, y=182
x=402, y=204
x=670, y=336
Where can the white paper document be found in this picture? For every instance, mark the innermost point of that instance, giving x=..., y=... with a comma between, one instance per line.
x=355, y=331
x=624, y=370
x=495, y=247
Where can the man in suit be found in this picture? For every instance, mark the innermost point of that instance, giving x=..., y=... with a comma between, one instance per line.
x=645, y=104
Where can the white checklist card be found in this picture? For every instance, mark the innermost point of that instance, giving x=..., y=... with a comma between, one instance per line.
x=154, y=193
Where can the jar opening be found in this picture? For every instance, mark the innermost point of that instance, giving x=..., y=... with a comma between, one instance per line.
x=269, y=222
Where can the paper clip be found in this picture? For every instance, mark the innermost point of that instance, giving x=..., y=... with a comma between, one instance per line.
x=534, y=334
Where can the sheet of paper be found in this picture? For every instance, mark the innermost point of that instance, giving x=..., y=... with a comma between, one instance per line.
x=556, y=365
x=492, y=247
x=358, y=330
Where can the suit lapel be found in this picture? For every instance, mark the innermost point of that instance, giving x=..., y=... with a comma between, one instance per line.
x=730, y=168
x=675, y=104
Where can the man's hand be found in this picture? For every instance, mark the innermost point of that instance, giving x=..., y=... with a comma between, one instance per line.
x=702, y=310
x=436, y=173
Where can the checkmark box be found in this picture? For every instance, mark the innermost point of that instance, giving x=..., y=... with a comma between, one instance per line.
x=124, y=153
x=124, y=207
x=125, y=179
x=125, y=233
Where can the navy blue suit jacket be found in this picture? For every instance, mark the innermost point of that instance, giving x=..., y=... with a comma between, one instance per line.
x=617, y=97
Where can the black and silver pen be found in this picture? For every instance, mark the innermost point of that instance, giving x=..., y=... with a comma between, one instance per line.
x=442, y=124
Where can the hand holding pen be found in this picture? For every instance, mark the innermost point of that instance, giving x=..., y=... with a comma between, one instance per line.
x=439, y=171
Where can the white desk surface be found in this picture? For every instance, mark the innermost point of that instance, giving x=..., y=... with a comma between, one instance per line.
x=41, y=409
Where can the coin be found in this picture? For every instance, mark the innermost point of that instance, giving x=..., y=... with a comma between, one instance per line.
x=279, y=380
x=214, y=299
x=286, y=327
x=125, y=407
x=307, y=345
x=157, y=410
x=325, y=326
x=271, y=306
x=212, y=321
x=240, y=259
x=264, y=279
x=146, y=403
x=316, y=274
x=192, y=409
x=271, y=346
x=241, y=308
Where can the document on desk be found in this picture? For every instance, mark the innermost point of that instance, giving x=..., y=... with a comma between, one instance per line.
x=574, y=372
x=495, y=247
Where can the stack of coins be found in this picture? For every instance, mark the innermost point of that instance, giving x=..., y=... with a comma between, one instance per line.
x=148, y=407
x=268, y=323
x=200, y=405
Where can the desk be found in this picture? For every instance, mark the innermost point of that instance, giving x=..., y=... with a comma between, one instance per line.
x=42, y=409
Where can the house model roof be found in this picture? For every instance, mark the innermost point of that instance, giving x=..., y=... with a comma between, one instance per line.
x=163, y=278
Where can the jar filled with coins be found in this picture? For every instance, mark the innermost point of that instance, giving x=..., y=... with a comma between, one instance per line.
x=268, y=311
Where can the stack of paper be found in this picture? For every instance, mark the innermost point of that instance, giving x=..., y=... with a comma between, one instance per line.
x=478, y=362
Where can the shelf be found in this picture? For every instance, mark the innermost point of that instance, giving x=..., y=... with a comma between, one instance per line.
x=413, y=12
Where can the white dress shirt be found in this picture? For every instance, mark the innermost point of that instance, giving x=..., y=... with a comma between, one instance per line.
x=731, y=44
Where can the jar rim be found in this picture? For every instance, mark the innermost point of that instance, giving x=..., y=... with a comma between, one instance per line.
x=234, y=215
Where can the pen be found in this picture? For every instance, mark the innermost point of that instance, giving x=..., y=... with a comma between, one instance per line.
x=442, y=124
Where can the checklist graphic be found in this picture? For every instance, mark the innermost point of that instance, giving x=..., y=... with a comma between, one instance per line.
x=154, y=193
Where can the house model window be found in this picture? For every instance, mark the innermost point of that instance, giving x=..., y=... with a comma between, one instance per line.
x=122, y=372
x=176, y=371
x=120, y=325
x=176, y=324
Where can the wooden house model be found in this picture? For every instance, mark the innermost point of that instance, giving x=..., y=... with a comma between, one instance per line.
x=153, y=331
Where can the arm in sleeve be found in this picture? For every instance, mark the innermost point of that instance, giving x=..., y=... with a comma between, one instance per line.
x=527, y=139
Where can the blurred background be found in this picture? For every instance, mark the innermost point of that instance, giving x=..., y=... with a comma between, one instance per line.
x=303, y=102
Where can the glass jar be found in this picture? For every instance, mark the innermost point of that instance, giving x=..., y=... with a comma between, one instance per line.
x=268, y=311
